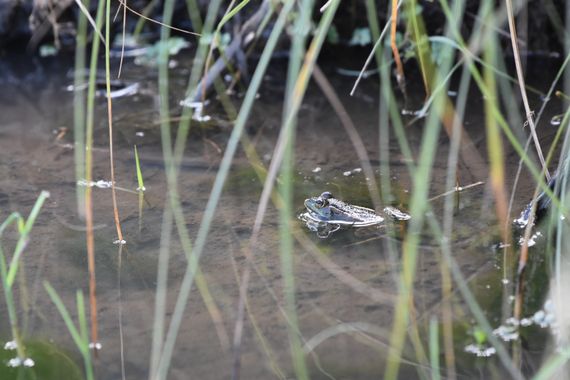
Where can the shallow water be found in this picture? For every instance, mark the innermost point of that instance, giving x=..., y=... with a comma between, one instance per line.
x=350, y=285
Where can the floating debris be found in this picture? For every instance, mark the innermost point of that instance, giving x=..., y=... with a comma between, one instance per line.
x=418, y=113
x=506, y=333
x=532, y=240
x=139, y=134
x=198, y=108
x=17, y=362
x=348, y=173
x=480, y=351
x=121, y=91
x=317, y=169
x=556, y=119
x=100, y=184
x=119, y=88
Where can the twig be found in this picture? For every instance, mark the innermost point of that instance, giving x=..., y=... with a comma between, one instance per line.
x=529, y=113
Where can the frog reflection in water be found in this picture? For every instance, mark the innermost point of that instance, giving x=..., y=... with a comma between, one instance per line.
x=325, y=214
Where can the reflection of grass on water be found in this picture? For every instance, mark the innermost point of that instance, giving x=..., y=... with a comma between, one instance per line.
x=437, y=59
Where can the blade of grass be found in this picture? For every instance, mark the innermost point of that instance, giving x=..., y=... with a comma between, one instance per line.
x=24, y=231
x=140, y=180
x=372, y=52
x=494, y=142
x=79, y=108
x=434, y=349
x=85, y=12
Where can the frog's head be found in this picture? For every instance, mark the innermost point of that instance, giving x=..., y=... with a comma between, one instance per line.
x=319, y=206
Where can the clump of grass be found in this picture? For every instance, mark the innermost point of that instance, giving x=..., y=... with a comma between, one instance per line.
x=8, y=272
x=80, y=335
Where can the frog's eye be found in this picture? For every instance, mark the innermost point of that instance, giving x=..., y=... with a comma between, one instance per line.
x=320, y=202
x=326, y=195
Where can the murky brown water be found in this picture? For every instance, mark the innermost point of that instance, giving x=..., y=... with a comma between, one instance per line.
x=31, y=160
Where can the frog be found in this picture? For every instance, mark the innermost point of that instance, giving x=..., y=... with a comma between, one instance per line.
x=326, y=214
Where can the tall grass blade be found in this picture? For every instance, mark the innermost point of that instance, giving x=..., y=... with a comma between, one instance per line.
x=90, y=121
x=140, y=179
x=434, y=349
x=24, y=231
x=79, y=108
x=86, y=14
x=120, y=239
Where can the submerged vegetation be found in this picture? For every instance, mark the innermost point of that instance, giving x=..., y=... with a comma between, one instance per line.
x=419, y=272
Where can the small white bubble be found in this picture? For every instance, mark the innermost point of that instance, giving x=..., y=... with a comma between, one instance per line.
x=28, y=362
x=11, y=345
x=505, y=281
x=121, y=242
x=139, y=134
x=97, y=346
x=347, y=173
x=317, y=169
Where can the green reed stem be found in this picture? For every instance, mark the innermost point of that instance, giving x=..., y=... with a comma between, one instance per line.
x=286, y=212
x=434, y=349
x=79, y=107
x=140, y=180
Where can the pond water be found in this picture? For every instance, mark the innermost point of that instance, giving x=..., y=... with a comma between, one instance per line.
x=345, y=288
